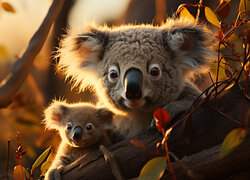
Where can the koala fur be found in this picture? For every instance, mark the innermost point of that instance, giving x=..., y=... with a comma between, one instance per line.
x=159, y=60
x=81, y=127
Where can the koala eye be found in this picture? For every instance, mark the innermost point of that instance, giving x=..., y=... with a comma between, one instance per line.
x=113, y=73
x=89, y=127
x=69, y=126
x=154, y=71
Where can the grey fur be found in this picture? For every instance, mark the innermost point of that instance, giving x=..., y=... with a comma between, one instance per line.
x=178, y=47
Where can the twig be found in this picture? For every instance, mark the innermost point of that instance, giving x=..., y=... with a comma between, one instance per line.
x=109, y=157
x=198, y=11
x=23, y=65
x=223, y=114
x=8, y=157
x=188, y=172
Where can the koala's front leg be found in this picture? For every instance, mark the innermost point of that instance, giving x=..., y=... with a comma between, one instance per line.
x=180, y=105
x=54, y=172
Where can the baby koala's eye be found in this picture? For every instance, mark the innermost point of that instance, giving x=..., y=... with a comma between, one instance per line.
x=89, y=127
x=69, y=126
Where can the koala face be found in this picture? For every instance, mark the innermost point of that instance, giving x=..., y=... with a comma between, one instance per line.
x=80, y=125
x=136, y=65
x=139, y=67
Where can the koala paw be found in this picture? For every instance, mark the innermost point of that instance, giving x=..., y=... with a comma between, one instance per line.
x=54, y=174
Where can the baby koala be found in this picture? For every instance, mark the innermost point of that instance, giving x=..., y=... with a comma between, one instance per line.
x=82, y=129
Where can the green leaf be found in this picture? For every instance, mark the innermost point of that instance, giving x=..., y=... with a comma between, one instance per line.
x=211, y=17
x=40, y=159
x=186, y=14
x=232, y=140
x=153, y=169
x=45, y=166
x=20, y=173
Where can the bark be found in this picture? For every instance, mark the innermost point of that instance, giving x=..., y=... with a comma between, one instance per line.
x=208, y=130
x=23, y=66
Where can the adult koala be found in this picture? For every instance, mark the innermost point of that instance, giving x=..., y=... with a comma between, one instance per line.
x=138, y=68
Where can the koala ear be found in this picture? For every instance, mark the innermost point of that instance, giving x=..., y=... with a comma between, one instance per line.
x=54, y=114
x=106, y=116
x=80, y=54
x=191, y=45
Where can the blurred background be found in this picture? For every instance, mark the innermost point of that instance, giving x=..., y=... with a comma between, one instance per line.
x=21, y=121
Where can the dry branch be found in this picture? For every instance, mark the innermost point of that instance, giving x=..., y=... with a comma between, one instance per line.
x=209, y=128
x=23, y=66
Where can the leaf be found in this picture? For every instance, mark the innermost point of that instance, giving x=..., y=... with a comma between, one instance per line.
x=3, y=52
x=45, y=166
x=162, y=117
x=211, y=17
x=185, y=13
x=242, y=8
x=222, y=72
x=237, y=44
x=153, y=169
x=222, y=8
x=167, y=134
x=139, y=145
x=20, y=173
x=40, y=159
x=232, y=140
x=8, y=7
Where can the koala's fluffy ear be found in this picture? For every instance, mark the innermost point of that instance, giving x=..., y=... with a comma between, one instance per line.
x=191, y=43
x=79, y=56
x=54, y=114
x=106, y=116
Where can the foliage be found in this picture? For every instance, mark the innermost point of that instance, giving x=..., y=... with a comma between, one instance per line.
x=232, y=65
x=232, y=140
x=20, y=173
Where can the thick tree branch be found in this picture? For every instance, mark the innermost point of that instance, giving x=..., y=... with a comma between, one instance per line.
x=23, y=66
x=209, y=128
x=207, y=165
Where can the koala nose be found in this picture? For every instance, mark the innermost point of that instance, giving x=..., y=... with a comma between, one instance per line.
x=133, y=83
x=77, y=133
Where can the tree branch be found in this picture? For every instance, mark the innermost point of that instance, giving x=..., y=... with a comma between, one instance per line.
x=23, y=66
x=209, y=128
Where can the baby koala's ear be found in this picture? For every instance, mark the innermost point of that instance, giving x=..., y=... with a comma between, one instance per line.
x=54, y=114
x=106, y=116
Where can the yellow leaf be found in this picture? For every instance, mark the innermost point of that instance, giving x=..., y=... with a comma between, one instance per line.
x=3, y=52
x=238, y=44
x=241, y=7
x=20, y=173
x=40, y=159
x=214, y=68
x=211, y=17
x=8, y=7
x=232, y=140
x=185, y=13
x=153, y=169
x=45, y=166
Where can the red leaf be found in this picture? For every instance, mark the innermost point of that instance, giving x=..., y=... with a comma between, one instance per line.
x=220, y=35
x=162, y=117
x=222, y=8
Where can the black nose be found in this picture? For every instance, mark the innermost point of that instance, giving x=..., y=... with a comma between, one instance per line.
x=77, y=133
x=133, y=83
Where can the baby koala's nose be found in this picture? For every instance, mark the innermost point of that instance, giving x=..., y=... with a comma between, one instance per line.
x=77, y=133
